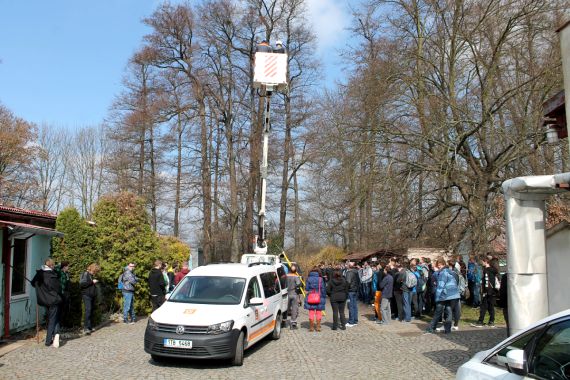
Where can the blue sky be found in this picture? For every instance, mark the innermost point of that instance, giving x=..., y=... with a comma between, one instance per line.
x=62, y=61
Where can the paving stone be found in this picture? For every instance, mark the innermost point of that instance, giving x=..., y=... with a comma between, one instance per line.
x=398, y=350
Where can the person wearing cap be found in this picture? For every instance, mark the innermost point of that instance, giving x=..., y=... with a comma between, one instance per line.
x=129, y=282
x=264, y=47
x=279, y=47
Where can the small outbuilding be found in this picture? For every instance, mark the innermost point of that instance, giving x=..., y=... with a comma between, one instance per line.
x=25, y=237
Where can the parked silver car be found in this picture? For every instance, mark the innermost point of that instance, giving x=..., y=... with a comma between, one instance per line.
x=542, y=351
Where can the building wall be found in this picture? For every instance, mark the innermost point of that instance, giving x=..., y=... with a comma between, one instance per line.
x=1, y=285
x=557, y=265
x=23, y=307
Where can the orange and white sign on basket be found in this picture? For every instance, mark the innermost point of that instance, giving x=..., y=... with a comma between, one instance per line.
x=270, y=69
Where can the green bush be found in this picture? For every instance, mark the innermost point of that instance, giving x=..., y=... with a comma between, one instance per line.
x=77, y=246
x=123, y=235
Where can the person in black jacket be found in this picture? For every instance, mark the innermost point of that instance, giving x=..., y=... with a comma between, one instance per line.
x=386, y=286
x=353, y=285
x=157, y=286
x=87, y=284
x=337, y=290
x=48, y=292
x=490, y=284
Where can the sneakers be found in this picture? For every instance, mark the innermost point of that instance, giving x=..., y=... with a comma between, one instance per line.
x=350, y=325
x=342, y=327
x=56, y=341
x=455, y=328
x=293, y=326
x=478, y=324
x=87, y=332
x=429, y=330
x=440, y=329
x=491, y=324
x=132, y=322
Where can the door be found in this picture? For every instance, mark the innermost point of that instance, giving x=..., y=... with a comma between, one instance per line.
x=254, y=320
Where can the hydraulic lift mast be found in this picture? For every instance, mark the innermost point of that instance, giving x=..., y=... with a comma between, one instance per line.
x=270, y=75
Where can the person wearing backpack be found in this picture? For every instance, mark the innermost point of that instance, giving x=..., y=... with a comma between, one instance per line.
x=446, y=293
x=490, y=285
x=48, y=293
x=129, y=282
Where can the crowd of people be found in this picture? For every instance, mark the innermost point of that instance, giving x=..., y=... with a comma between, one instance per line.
x=403, y=289
x=400, y=289
x=52, y=289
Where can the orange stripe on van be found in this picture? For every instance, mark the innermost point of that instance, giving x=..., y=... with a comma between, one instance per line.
x=261, y=331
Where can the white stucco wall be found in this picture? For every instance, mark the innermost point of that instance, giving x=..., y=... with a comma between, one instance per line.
x=558, y=268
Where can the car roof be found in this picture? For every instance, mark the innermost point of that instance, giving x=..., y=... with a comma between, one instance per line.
x=231, y=270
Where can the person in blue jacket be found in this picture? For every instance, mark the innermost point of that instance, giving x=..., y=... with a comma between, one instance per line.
x=316, y=284
x=446, y=294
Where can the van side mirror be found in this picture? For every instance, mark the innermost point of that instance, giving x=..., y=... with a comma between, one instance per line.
x=516, y=362
x=256, y=301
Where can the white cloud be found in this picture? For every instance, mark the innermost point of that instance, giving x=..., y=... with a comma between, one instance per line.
x=329, y=19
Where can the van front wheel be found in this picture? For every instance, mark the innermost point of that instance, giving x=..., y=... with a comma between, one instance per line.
x=238, y=357
x=277, y=329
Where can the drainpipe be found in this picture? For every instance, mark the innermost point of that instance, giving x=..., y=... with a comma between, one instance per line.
x=6, y=253
x=564, y=32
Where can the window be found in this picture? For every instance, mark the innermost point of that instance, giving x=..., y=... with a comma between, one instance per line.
x=282, y=277
x=551, y=359
x=19, y=274
x=270, y=284
x=253, y=290
x=499, y=359
x=209, y=290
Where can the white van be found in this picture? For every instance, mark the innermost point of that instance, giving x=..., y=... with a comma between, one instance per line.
x=217, y=311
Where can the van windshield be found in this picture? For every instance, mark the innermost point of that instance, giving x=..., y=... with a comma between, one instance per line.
x=209, y=290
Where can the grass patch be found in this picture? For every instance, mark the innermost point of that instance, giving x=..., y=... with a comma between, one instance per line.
x=470, y=315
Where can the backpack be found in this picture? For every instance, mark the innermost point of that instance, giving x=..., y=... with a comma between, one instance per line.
x=421, y=284
x=497, y=282
x=120, y=285
x=411, y=280
x=462, y=285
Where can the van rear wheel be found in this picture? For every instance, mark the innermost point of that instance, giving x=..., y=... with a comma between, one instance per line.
x=240, y=344
x=277, y=329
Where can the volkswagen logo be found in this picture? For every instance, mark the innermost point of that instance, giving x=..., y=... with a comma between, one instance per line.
x=179, y=330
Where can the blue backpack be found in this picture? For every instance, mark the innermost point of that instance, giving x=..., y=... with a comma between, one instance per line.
x=120, y=285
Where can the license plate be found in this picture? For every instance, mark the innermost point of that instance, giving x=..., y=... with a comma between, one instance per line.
x=177, y=343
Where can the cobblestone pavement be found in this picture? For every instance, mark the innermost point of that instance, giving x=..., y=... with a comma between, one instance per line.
x=399, y=350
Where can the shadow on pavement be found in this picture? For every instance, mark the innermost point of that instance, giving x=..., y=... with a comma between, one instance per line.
x=473, y=340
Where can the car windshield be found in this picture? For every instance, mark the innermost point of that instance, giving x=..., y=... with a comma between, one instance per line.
x=209, y=290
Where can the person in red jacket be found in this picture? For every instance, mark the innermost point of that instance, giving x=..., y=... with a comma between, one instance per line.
x=183, y=272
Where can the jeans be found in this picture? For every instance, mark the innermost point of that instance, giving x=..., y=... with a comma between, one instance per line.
x=156, y=302
x=476, y=294
x=399, y=304
x=128, y=309
x=421, y=304
x=456, y=308
x=488, y=303
x=53, y=323
x=366, y=292
x=293, y=307
x=89, y=302
x=352, y=308
x=440, y=307
x=338, y=311
x=407, y=305
x=386, y=311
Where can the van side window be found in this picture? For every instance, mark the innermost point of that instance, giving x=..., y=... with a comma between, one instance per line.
x=270, y=284
x=253, y=289
x=282, y=277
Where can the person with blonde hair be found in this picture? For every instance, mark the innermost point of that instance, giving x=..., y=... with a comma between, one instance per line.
x=87, y=283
